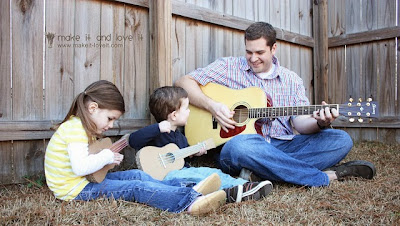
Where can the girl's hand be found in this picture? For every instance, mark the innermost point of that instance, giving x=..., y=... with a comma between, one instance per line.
x=118, y=158
x=165, y=126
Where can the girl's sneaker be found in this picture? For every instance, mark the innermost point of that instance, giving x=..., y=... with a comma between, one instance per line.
x=208, y=185
x=207, y=203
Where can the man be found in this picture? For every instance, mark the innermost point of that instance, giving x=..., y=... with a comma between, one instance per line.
x=277, y=154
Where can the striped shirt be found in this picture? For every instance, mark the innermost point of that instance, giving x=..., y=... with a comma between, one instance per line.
x=57, y=165
x=283, y=87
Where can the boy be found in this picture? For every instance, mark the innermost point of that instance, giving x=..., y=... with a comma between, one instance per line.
x=170, y=107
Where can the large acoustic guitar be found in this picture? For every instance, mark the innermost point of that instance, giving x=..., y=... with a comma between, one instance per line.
x=99, y=145
x=249, y=105
x=158, y=162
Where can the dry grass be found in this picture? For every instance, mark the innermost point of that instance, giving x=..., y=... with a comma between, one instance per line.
x=351, y=202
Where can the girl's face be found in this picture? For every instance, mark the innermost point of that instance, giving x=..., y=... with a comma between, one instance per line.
x=103, y=118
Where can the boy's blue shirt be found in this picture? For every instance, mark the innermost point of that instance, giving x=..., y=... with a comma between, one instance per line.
x=151, y=136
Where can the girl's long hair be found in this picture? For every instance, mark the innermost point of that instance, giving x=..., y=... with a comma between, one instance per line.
x=105, y=94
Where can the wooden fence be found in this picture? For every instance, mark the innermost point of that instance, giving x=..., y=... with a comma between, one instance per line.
x=52, y=49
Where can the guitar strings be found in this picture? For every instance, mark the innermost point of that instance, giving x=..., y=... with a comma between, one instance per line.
x=180, y=153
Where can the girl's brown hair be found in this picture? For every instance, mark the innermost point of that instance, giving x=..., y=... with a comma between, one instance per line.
x=105, y=94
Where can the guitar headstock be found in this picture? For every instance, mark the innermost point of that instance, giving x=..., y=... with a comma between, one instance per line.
x=360, y=110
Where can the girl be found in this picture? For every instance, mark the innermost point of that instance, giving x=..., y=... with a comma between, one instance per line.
x=67, y=161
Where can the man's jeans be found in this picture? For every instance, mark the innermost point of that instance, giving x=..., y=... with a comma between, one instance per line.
x=135, y=185
x=298, y=161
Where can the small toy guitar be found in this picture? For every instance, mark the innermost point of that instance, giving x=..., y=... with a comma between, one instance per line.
x=158, y=162
x=99, y=145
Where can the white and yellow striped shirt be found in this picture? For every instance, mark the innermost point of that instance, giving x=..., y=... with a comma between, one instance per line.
x=60, y=178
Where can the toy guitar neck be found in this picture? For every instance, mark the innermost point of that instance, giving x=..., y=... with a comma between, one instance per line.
x=158, y=162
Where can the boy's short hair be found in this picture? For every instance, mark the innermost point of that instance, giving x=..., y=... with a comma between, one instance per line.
x=165, y=100
x=261, y=30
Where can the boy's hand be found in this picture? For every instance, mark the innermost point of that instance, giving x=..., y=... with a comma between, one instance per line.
x=165, y=126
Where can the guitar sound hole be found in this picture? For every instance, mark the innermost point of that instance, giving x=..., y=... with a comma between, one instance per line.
x=169, y=158
x=241, y=114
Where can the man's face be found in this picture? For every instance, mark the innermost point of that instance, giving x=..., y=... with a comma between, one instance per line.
x=259, y=55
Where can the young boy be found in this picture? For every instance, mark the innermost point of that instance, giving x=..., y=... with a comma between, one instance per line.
x=170, y=107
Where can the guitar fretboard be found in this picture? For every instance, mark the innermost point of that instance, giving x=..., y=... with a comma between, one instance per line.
x=119, y=145
x=272, y=112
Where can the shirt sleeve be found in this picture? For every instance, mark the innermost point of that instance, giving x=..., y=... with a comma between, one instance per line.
x=83, y=164
x=215, y=72
x=142, y=137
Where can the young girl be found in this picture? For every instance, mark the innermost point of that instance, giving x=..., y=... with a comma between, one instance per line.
x=67, y=161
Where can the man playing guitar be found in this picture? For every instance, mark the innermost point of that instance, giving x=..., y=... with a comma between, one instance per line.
x=276, y=153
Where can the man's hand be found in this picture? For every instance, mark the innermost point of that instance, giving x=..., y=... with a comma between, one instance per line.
x=223, y=115
x=325, y=116
x=165, y=126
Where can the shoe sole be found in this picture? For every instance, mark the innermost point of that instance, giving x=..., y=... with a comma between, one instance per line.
x=209, y=203
x=211, y=184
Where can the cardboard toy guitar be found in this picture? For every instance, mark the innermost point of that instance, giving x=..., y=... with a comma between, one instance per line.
x=158, y=162
x=99, y=145
x=249, y=105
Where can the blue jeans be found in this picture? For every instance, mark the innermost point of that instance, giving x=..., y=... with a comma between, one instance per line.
x=135, y=185
x=297, y=161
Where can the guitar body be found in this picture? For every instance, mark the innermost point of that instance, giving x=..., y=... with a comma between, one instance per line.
x=201, y=126
x=148, y=160
x=95, y=148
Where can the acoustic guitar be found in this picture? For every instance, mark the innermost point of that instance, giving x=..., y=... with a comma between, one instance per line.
x=158, y=162
x=249, y=105
x=99, y=145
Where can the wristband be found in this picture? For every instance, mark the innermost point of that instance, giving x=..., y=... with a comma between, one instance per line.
x=321, y=127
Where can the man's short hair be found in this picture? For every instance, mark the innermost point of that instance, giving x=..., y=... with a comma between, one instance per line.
x=261, y=30
x=165, y=100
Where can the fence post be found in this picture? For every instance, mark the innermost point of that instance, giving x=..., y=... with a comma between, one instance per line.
x=320, y=30
x=160, y=15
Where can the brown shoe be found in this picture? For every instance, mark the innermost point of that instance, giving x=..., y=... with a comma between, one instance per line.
x=207, y=203
x=357, y=168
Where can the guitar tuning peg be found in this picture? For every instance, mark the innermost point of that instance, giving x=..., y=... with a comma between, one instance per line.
x=351, y=119
x=370, y=120
x=369, y=99
x=368, y=114
x=359, y=100
x=360, y=120
x=351, y=99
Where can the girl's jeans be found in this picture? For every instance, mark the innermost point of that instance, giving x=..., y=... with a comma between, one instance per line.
x=135, y=185
x=297, y=161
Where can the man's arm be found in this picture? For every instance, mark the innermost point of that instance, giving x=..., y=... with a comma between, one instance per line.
x=307, y=124
x=197, y=98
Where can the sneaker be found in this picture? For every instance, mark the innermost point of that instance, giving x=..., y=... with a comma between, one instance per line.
x=207, y=203
x=358, y=168
x=248, y=175
x=248, y=191
x=208, y=185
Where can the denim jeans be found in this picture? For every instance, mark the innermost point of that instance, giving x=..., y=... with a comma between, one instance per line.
x=197, y=174
x=297, y=161
x=135, y=185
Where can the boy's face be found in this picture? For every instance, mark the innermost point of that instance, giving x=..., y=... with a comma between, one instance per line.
x=182, y=114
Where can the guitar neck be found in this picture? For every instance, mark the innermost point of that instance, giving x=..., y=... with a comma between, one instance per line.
x=119, y=144
x=273, y=112
x=191, y=150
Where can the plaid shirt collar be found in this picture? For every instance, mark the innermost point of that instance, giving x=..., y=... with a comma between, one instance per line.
x=276, y=74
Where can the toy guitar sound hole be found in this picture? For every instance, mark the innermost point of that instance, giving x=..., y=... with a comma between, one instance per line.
x=169, y=158
x=241, y=114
